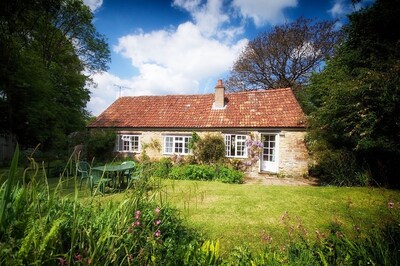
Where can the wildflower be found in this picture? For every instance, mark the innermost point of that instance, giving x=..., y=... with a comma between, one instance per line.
x=136, y=224
x=157, y=233
x=78, y=257
x=390, y=205
x=158, y=222
x=137, y=215
x=62, y=261
x=157, y=210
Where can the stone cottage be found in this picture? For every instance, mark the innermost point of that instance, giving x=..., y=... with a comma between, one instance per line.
x=274, y=117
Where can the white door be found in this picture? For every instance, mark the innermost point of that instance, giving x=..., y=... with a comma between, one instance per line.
x=270, y=158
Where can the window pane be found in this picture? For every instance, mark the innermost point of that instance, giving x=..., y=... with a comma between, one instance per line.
x=168, y=144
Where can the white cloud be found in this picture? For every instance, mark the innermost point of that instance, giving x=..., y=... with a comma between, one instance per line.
x=263, y=12
x=93, y=4
x=342, y=8
x=210, y=18
x=188, y=58
x=339, y=8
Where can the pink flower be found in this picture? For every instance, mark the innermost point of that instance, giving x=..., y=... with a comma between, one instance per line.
x=157, y=210
x=390, y=205
x=137, y=223
x=157, y=233
x=78, y=257
x=62, y=261
x=137, y=215
x=158, y=222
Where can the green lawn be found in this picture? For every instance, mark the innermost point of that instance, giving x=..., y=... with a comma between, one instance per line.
x=238, y=214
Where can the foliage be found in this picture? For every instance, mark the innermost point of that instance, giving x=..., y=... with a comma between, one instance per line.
x=379, y=247
x=162, y=168
x=354, y=103
x=206, y=173
x=284, y=57
x=100, y=145
x=46, y=47
x=46, y=228
x=211, y=148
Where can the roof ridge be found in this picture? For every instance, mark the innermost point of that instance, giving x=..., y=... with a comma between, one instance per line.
x=205, y=94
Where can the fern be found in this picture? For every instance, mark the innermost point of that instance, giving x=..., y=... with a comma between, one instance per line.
x=50, y=236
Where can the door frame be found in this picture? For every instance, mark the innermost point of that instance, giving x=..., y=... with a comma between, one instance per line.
x=274, y=166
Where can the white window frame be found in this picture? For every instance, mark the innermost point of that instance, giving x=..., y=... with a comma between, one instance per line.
x=232, y=144
x=174, y=144
x=129, y=143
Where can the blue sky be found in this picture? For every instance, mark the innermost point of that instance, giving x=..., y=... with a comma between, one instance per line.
x=161, y=47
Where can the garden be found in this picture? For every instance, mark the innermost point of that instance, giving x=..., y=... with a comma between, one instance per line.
x=167, y=219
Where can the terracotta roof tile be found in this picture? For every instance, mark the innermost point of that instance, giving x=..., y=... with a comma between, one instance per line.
x=268, y=108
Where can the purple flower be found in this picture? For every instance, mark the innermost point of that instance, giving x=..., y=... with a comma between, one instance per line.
x=137, y=215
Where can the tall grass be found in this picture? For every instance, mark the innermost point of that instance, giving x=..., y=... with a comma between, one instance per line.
x=43, y=227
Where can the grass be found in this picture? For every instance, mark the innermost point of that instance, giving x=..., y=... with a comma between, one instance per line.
x=242, y=214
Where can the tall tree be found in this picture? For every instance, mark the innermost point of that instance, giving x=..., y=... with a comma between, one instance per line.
x=354, y=103
x=284, y=57
x=47, y=46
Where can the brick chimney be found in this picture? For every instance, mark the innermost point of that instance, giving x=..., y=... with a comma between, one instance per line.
x=219, y=97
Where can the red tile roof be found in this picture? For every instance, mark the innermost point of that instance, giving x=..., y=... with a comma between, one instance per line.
x=250, y=109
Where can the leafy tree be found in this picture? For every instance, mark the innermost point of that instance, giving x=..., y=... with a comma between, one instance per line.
x=354, y=104
x=47, y=46
x=284, y=57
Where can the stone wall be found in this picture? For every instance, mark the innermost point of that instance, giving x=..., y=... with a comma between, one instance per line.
x=293, y=156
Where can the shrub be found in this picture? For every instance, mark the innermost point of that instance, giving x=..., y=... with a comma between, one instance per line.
x=206, y=173
x=211, y=149
x=162, y=168
x=229, y=175
x=100, y=145
x=339, y=168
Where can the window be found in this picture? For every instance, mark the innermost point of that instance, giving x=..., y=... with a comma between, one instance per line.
x=235, y=145
x=176, y=144
x=129, y=143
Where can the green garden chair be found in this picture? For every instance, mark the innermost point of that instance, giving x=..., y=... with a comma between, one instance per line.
x=83, y=170
x=98, y=180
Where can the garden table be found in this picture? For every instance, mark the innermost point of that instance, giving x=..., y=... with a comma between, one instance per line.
x=116, y=172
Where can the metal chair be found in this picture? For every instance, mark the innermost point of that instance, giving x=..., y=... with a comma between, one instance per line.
x=132, y=174
x=83, y=168
x=97, y=179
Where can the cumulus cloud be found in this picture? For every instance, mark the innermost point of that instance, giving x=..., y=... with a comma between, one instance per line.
x=185, y=58
x=93, y=4
x=210, y=18
x=263, y=11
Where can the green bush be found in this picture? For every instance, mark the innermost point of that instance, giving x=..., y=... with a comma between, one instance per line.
x=339, y=168
x=100, y=145
x=161, y=168
x=211, y=149
x=206, y=173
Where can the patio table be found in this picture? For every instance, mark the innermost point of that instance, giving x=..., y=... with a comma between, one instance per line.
x=116, y=172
